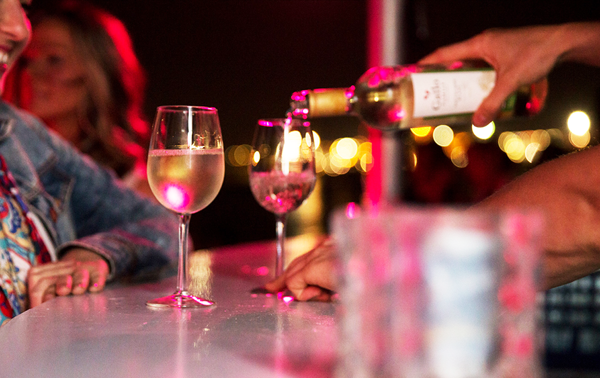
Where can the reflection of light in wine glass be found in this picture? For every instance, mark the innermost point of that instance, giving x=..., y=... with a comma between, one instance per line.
x=176, y=196
x=201, y=274
x=291, y=149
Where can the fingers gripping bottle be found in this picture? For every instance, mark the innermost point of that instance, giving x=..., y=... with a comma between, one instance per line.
x=402, y=97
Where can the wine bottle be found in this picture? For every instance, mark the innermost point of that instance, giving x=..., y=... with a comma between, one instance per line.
x=402, y=97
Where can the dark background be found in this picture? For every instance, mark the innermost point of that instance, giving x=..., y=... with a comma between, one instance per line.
x=245, y=57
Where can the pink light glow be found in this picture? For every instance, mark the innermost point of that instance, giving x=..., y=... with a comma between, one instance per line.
x=176, y=196
x=288, y=299
x=300, y=113
x=299, y=96
x=396, y=114
x=262, y=271
x=262, y=122
x=350, y=92
x=351, y=210
x=456, y=65
x=375, y=78
x=373, y=186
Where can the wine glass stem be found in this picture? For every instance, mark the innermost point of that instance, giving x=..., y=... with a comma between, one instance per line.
x=182, y=269
x=280, y=229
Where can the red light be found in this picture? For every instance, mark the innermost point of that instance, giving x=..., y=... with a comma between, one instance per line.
x=262, y=271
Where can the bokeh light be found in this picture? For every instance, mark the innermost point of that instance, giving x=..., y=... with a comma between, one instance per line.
x=443, y=135
x=241, y=155
x=421, y=131
x=531, y=152
x=542, y=138
x=485, y=132
x=514, y=148
x=459, y=158
x=316, y=139
x=579, y=141
x=346, y=148
x=578, y=123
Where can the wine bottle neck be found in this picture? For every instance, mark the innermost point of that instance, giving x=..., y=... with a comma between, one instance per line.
x=320, y=102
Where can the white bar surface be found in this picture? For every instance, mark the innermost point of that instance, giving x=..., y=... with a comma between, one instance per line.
x=114, y=334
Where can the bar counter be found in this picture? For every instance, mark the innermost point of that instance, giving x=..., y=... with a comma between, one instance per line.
x=114, y=334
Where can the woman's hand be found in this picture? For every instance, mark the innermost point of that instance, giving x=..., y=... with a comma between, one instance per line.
x=78, y=271
x=311, y=276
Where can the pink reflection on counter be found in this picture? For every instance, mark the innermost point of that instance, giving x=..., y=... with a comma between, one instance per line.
x=262, y=271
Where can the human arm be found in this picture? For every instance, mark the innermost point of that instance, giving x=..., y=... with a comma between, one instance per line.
x=136, y=236
x=79, y=271
x=566, y=190
x=311, y=276
x=522, y=56
x=83, y=206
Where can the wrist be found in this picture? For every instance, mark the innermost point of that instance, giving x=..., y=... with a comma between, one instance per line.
x=579, y=42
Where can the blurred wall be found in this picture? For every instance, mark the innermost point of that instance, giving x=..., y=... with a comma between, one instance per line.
x=245, y=57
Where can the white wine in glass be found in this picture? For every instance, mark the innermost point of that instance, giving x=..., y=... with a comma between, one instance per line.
x=186, y=168
x=282, y=171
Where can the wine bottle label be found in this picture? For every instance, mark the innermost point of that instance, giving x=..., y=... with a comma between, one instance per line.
x=437, y=94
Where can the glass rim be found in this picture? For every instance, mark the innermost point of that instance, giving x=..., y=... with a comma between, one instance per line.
x=270, y=122
x=192, y=108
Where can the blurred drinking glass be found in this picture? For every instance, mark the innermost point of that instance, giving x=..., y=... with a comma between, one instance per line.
x=282, y=171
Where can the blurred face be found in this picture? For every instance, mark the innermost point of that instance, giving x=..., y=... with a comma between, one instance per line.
x=54, y=73
x=14, y=34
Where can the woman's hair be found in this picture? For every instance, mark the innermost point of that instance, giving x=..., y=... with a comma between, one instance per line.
x=114, y=131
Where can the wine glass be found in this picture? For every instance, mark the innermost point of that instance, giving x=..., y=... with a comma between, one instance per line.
x=186, y=168
x=282, y=171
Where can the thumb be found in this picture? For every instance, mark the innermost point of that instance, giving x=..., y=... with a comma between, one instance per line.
x=276, y=285
x=490, y=107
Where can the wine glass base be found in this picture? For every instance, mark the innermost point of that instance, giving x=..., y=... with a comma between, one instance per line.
x=180, y=299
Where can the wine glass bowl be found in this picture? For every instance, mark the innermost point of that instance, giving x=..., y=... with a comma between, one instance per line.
x=186, y=169
x=282, y=171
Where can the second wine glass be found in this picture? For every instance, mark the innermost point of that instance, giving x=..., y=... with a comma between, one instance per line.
x=282, y=171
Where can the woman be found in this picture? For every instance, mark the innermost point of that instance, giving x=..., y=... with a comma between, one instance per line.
x=66, y=225
x=81, y=76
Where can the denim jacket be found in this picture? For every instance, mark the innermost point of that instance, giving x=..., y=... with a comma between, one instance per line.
x=82, y=204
